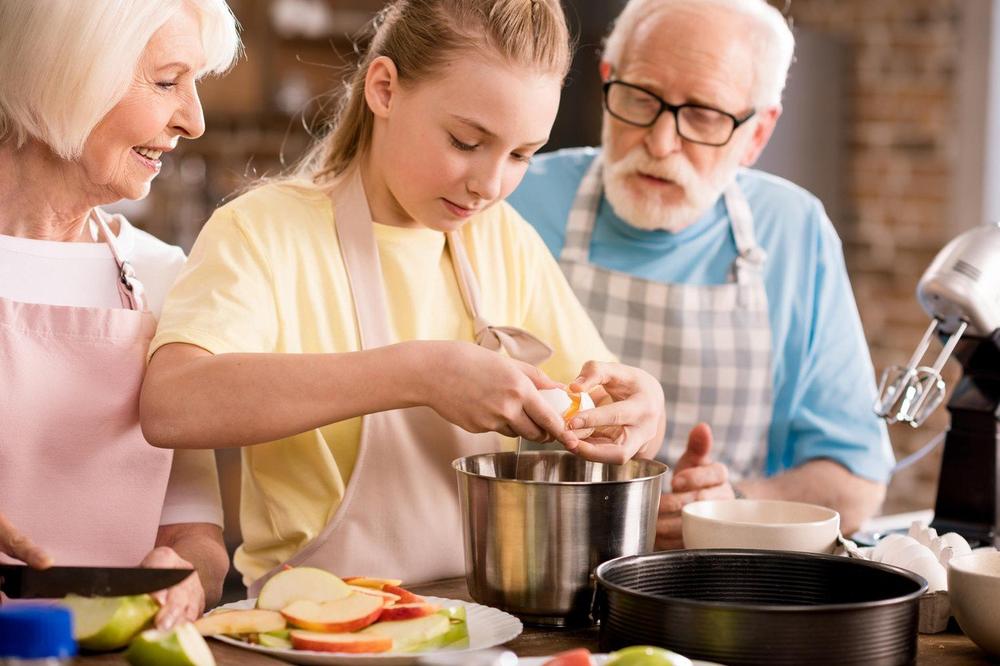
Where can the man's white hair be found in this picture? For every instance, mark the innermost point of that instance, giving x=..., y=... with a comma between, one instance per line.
x=66, y=63
x=769, y=37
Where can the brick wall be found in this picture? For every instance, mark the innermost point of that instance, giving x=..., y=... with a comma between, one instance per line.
x=901, y=159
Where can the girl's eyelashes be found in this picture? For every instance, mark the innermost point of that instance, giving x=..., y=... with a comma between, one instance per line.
x=468, y=147
x=461, y=145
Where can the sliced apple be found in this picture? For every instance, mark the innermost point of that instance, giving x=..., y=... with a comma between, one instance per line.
x=406, y=634
x=389, y=597
x=457, y=635
x=251, y=621
x=398, y=612
x=274, y=641
x=377, y=583
x=180, y=646
x=351, y=613
x=353, y=643
x=298, y=584
x=405, y=596
x=109, y=623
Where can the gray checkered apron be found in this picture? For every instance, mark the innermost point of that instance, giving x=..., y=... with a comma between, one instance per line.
x=710, y=345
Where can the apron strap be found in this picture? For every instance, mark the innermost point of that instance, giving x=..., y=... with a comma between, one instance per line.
x=359, y=250
x=352, y=219
x=517, y=342
x=582, y=216
x=750, y=256
x=130, y=289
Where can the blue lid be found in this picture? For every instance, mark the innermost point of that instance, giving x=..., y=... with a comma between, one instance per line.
x=35, y=631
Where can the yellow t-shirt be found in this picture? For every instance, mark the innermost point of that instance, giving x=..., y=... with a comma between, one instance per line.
x=266, y=275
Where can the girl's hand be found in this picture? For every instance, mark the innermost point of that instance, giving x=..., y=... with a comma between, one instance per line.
x=482, y=391
x=185, y=601
x=627, y=423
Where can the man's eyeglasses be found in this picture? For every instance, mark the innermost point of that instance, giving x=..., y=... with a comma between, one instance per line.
x=695, y=123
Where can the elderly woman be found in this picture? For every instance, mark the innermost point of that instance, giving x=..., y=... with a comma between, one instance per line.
x=91, y=95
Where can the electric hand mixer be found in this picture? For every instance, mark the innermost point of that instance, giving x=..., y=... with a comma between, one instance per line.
x=960, y=290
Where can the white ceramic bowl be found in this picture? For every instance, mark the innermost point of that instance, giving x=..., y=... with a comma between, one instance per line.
x=974, y=589
x=760, y=524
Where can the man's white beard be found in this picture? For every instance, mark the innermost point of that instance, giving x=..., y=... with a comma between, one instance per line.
x=645, y=210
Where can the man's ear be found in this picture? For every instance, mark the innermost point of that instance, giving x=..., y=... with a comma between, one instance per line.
x=762, y=131
x=605, y=69
x=380, y=85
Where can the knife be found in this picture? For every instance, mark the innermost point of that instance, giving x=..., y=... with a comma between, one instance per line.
x=19, y=581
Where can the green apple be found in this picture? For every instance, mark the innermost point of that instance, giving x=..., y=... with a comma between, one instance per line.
x=180, y=646
x=644, y=655
x=109, y=623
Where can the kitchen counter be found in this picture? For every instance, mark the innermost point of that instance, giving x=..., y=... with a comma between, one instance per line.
x=946, y=649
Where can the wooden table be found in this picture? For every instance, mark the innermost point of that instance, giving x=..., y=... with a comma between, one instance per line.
x=947, y=649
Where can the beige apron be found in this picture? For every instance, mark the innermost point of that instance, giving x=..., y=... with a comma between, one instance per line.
x=400, y=515
x=76, y=475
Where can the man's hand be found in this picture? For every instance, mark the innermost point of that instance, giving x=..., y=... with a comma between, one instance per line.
x=182, y=602
x=695, y=477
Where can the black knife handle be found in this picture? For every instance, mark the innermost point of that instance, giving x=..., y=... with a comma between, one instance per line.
x=10, y=581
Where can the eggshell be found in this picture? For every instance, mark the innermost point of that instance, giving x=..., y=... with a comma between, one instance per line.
x=562, y=402
x=558, y=399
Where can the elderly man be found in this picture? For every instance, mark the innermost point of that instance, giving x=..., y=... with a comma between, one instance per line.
x=726, y=283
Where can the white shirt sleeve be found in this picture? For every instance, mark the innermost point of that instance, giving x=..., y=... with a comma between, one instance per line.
x=193, y=489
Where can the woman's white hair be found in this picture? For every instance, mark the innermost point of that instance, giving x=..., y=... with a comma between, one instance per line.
x=769, y=36
x=66, y=63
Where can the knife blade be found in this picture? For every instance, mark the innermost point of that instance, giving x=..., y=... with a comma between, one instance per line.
x=22, y=582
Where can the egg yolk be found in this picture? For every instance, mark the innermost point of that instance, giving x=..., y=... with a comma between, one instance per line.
x=574, y=406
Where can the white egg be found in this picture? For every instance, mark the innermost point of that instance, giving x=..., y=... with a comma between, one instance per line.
x=899, y=556
x=567, y=404
x=957, y=543
x=888, y=543
x=931, y=570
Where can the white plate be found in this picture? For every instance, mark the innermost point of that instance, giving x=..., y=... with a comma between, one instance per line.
x=488, y=627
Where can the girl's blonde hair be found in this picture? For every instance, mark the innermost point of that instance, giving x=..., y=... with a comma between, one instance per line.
x=420, y=36
x=66, y=63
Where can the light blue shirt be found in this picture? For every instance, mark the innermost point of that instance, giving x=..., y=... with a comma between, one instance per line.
x=824, y=384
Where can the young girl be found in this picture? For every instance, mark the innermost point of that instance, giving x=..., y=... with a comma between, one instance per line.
x=344, y=320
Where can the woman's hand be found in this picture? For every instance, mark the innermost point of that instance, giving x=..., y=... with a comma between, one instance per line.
x=16, y=545
x=480, y=391
x=629, y=420
x=183, y=602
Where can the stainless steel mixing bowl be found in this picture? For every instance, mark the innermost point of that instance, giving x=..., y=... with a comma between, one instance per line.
x=536, y=527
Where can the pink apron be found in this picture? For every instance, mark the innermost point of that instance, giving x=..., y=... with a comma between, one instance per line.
x=400, y=515
x=76, y=475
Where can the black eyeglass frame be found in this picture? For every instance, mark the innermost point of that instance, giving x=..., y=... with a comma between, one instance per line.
x=674, y=110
